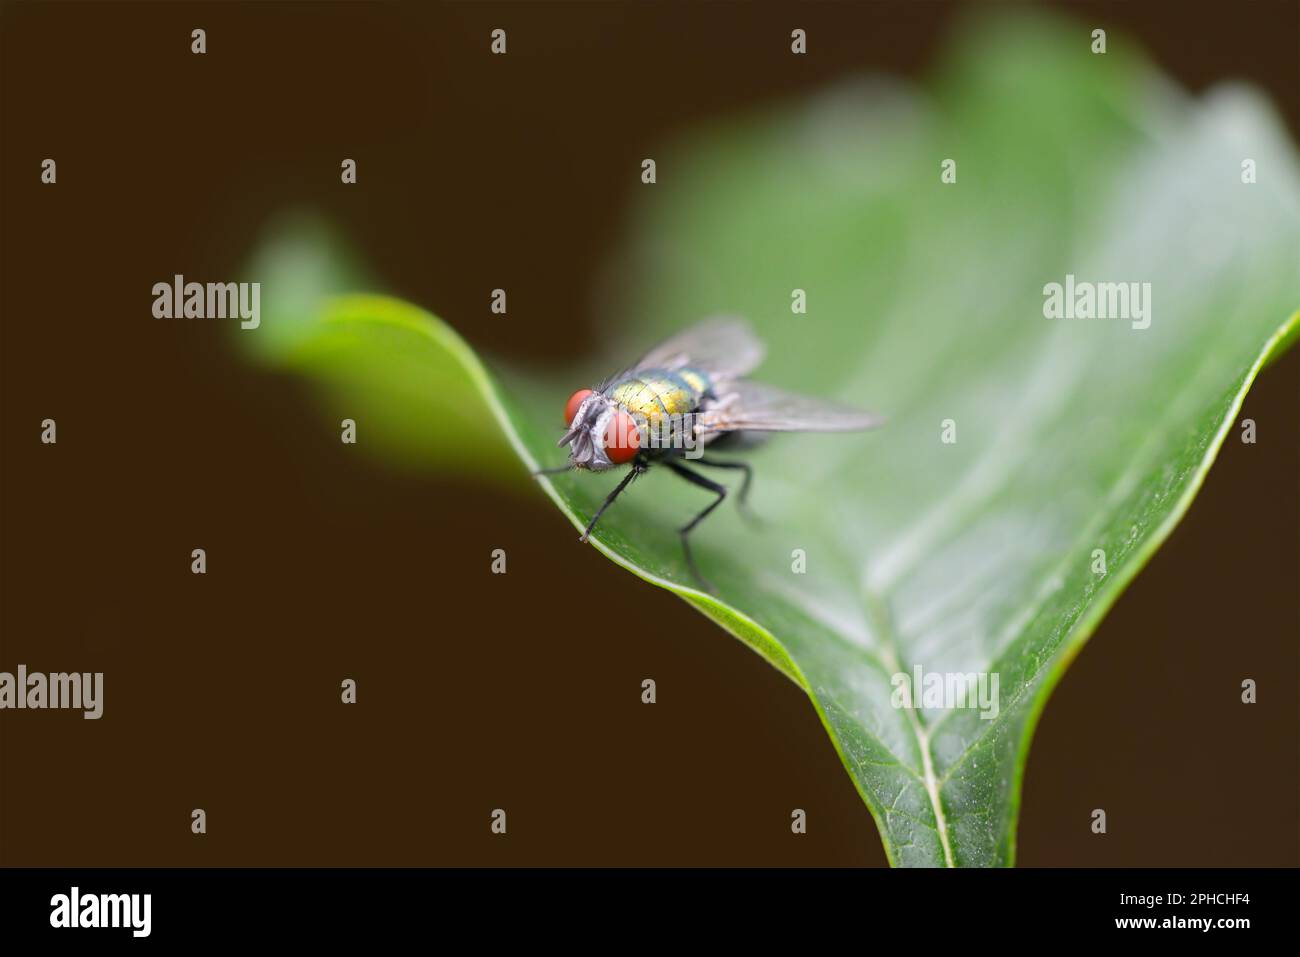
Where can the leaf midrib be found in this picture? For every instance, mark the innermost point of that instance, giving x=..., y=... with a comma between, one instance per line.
x=878, y=613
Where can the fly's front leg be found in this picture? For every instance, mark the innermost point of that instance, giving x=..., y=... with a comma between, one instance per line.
x=637, y=469
x=685, y=531
x=742, y=499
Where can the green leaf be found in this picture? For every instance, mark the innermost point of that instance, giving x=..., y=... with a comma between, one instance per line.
x=926, y=303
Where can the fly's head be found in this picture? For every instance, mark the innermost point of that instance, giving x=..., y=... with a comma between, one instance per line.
x=601, y=434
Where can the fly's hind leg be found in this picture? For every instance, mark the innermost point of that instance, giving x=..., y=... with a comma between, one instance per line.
x=742, y=498
x=686, y=529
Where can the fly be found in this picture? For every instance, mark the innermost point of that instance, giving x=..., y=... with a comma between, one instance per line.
x=688, y=393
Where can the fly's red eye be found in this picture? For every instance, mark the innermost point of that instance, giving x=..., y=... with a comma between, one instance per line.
x=622, y=438
x=575, y=402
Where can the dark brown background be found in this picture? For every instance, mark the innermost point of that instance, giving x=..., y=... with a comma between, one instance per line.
x=476, y=172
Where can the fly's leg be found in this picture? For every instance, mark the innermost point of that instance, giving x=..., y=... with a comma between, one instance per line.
x=554, y=471
x=637, y=469
x=742, y=498
x=721, y=492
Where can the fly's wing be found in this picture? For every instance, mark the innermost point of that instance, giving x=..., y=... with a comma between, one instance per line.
x=724, y=346
x=755, y=407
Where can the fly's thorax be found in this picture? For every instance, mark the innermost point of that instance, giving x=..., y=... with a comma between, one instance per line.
x=656, y=394
x=664, y=404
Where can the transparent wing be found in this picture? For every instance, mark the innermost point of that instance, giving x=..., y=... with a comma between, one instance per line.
x=764, y=408
x=724, y=346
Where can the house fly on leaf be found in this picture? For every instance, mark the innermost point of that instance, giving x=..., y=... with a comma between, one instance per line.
x=687, y=394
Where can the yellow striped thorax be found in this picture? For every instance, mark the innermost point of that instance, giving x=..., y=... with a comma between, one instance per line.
x=657, y=394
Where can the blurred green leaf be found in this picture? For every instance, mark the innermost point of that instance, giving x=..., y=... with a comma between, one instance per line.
x=925, y=302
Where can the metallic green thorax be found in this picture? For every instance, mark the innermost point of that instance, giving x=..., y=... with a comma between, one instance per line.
x=658, y=394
